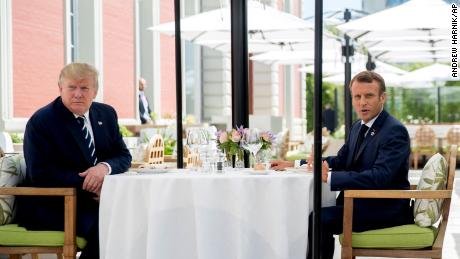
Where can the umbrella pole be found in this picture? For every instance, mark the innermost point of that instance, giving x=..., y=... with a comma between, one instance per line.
x=240, y=84
x=317, y=181
x=347, y=52
x=438, y=99
x=180, y=147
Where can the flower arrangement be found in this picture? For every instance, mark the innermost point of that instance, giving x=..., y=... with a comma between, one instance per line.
x=267, y=138
x=230, y=142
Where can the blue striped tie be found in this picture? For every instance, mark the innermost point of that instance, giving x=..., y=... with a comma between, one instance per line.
x=89, y=143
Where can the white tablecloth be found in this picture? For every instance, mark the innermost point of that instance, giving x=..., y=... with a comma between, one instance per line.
x=187, y=215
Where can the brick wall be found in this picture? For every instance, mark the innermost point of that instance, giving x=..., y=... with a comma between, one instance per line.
x=38, y=53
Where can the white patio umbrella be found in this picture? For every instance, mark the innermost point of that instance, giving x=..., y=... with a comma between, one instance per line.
x=391, y=79
x=358, y=64
x=422, y=24
x=302, y=54
x=266, y=25
x=429, y=75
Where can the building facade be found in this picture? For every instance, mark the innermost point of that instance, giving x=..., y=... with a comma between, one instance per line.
x=36, y=42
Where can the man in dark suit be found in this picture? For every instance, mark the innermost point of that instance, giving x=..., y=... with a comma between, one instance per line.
x=329, y=118
x=144, y=107
x=375, y=156
x=72, y=142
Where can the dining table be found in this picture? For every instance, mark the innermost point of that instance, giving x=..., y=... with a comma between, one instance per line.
x=190, y=214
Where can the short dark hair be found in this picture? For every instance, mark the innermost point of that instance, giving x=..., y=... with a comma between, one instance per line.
x=369, y=77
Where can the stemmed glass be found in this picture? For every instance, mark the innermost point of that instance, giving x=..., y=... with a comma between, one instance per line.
x=251, y=141
x=196, y=141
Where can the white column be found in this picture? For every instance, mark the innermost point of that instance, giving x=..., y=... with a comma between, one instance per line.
x=216, y=79
x=89, y=45
x=7, y=122
x=266, y=90
x=148, y=54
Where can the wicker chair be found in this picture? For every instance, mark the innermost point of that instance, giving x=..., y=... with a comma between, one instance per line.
x=425, y=139
x=453, y=137
x=155, y=150
x=191, y=158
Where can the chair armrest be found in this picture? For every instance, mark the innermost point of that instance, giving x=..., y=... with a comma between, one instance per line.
x=37, y=191
x=395, y=194
x=349, y=195
x=70, y=209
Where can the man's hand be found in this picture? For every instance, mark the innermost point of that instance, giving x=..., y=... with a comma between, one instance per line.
x=94, y=177
x=280, y=165
x=324, y=171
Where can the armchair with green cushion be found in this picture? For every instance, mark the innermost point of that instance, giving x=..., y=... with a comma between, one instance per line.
x=15, y=240
x=425, y=238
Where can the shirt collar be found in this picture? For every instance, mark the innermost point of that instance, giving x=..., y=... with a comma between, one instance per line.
x=86, y=115
x=371, y=122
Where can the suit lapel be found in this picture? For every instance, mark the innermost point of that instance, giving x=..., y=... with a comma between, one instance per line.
x=372, y=133
x=98, y=128
x=353, y=140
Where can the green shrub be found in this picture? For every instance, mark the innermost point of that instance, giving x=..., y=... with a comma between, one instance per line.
x=125, y=132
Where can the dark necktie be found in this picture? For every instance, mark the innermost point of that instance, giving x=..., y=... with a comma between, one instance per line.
x=89, y=143
x=359, y=141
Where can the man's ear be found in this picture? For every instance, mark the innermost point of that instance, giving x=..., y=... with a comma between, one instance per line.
x=383, y=96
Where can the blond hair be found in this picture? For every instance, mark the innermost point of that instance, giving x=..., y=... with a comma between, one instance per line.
x=79, y=71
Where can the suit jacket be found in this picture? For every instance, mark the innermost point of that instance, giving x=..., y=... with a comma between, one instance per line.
x=142, y=109
x=55, y=153
x=382, y=162
x=329, y=119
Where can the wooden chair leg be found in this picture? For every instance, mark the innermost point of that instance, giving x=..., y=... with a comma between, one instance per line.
x=14, y=256
x=35, y=256
x=415, y=160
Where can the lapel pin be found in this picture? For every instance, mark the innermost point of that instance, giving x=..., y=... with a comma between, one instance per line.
x=372, y=133
x=99, y=122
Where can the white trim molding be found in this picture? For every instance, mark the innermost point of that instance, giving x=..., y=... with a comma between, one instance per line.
x=89, y=49
x=6, y=67
x=156, y=60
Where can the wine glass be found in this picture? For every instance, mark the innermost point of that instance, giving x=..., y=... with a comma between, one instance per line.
x=251, y=141
x=196, y=141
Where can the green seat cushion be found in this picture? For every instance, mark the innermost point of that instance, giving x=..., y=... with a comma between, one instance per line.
x=424, y=149
x=400, y=237
x=13, y=235
x=447, y=149
x=296, y=155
